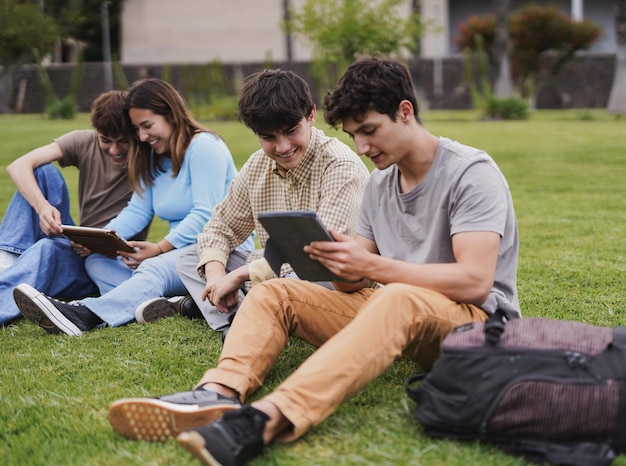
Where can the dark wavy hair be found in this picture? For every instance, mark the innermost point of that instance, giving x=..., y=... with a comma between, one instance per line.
x=370, y=83
x=274, y=100
x=162, y=99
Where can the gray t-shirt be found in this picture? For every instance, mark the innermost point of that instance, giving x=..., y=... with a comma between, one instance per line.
x=463, y=191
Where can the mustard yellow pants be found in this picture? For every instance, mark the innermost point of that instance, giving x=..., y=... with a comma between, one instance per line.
x=358, y=336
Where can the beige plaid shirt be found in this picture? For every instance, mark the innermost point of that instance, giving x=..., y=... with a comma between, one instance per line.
x=329, y=180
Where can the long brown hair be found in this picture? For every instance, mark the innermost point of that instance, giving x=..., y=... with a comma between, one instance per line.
x=162, y=99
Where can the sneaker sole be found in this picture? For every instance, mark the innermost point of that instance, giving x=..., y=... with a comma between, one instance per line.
x=195, y=444
x=41, y=312
x=159, y=309
x=153, y=420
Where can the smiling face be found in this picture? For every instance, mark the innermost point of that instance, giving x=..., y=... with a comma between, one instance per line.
x=287, y=147
x=152, y=129
x=116, y=149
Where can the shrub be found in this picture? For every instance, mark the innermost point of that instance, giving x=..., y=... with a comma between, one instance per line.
x=222, y=108
x=508, y=108
x=207, y=91
x=480, y=92
x=64, y=109
x=60, y=108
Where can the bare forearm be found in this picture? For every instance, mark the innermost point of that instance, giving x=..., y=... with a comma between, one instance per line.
x=459, y=282
x=22, y=175
x=22, y=171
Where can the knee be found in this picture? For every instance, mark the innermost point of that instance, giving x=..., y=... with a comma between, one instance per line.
x=98, y=265
x=151, y=266
x=50, y=247
x=396, y=291
x=270, y=293
x=186, y=267
x=398, y=297
x=274, y=287
x=46, y=170
x=261, y=289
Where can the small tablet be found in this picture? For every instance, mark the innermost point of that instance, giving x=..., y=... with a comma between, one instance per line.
x=289, y=232
x=100, y=240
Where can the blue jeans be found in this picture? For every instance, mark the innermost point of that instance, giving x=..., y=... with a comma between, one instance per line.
x=154, y=278
x=48, y=264
x=20, y=225
x=107, y=272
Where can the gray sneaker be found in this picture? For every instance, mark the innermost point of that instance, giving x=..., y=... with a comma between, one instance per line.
x=157, y=419
x=157, y=308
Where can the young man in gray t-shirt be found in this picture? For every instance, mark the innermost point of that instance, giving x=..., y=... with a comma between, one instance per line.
x=437, y=228
x=31, y=228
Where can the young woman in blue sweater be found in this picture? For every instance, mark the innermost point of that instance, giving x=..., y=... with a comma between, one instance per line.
x=179, y=171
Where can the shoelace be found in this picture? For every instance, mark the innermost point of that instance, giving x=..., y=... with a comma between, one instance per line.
x=89, y=318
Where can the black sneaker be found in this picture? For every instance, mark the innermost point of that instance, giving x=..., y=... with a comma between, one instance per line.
x=224, y=330
x=188, y=308
x=233, y=440
x=224, y=333
x=52, y=315
x=157, y=419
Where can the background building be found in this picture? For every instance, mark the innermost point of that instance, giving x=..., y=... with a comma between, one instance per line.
x=242, y=31
x=166, y=38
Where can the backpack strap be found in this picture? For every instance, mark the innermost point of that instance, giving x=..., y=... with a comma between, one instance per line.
x=619, y=439
x=408, y=385
x=494, y=327
x=619, y=337
x=579, y=454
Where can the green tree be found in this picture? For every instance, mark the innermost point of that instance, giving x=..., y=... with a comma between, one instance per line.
x=82, y=20
x=617, y=99
x=339, y=31
x=23, y=27
x=540, y=32
x=502, y=49
x=536, y=33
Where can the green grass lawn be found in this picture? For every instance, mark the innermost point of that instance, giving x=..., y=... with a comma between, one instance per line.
x=566, y=172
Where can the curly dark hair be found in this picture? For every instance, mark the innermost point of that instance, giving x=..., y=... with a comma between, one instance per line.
x=274, y=100
x=370, y=83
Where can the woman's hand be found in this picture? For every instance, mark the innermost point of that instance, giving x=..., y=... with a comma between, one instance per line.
x=143, y=250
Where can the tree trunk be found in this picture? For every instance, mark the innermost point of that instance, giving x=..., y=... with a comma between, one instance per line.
x=617, y=99
x=503, y=86
x=6, y=87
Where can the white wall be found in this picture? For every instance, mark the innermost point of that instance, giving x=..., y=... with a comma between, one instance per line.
x=243, y=31
x=199, y=31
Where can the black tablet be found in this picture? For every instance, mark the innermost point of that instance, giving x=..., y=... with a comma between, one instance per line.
x=100, y=240
x=289, y=232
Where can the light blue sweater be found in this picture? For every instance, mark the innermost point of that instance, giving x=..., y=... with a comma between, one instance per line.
x=187, y=200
